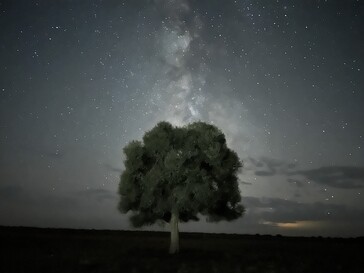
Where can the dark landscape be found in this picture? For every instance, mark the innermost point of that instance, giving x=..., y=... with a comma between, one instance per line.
x=67, y=250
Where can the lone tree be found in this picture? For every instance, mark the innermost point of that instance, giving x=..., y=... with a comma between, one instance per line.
x=177, y=173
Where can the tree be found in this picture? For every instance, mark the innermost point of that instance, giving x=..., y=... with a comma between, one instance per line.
x=178, y=173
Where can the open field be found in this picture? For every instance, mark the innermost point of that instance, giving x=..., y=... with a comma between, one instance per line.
x=65, y=250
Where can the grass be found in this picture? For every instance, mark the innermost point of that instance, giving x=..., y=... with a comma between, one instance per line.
x=65, y=250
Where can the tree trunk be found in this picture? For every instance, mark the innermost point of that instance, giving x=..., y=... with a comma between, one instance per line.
x=174, y=247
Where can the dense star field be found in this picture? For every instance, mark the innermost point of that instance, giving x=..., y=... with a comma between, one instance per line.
x=282, y=79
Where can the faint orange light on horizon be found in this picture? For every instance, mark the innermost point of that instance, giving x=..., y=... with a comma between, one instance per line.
x=289, y=225
x=297, y=225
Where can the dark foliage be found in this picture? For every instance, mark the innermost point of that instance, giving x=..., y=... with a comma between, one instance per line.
x=186, y=171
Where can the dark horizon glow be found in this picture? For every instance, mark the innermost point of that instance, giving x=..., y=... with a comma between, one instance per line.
x=282, y=79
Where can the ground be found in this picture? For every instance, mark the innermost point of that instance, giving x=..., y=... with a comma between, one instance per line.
x=65, y=250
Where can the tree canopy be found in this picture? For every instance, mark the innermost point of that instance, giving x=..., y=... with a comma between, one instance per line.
x=187, y=170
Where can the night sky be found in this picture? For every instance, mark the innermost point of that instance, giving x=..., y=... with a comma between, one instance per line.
x=282, y=79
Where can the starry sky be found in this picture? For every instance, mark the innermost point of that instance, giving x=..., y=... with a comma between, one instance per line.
x=283, y=79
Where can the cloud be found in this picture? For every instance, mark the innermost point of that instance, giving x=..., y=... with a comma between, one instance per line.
x=296, y=182
x=265, y=173
x=342, y=177
x=255, y=162
x=276, y=210
x=265, y=166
